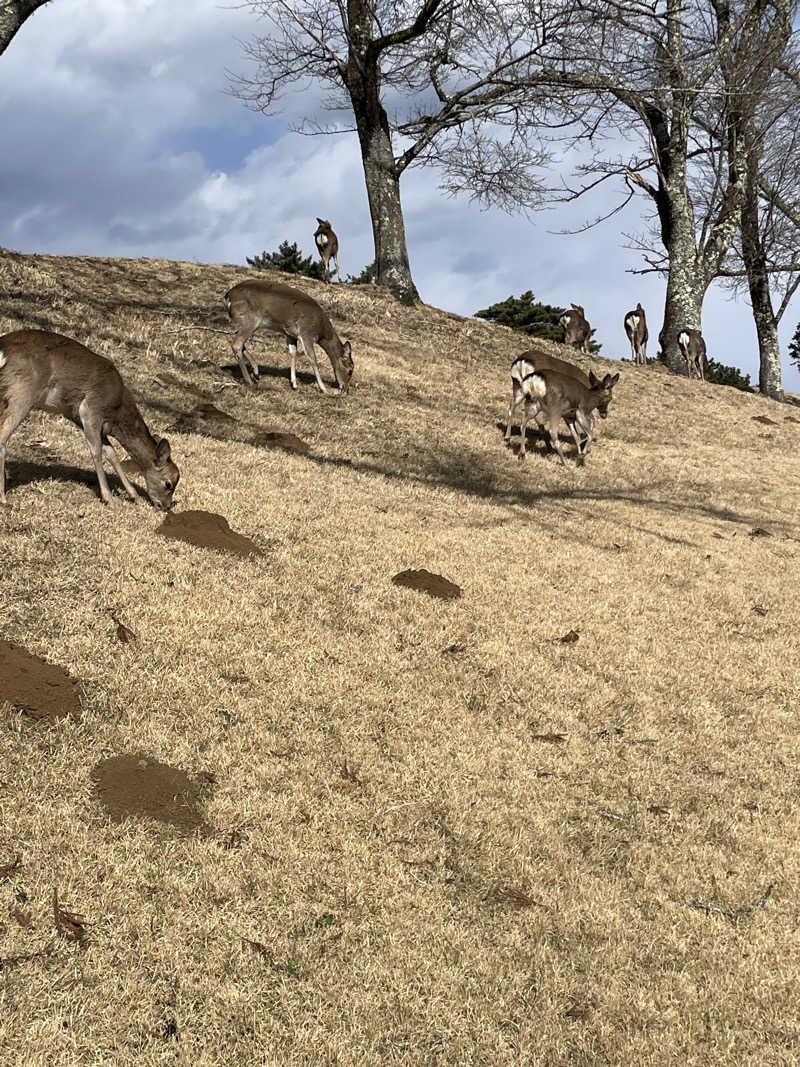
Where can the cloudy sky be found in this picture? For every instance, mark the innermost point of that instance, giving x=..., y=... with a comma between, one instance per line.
x=121, y=139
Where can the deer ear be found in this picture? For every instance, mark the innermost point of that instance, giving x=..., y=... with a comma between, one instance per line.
x=609, y=382
x=319, y=220
x=162, y=452
x=594, y=381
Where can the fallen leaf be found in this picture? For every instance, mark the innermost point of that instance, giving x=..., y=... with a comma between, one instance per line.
x=569, y=638
x=69, y=925
x=10, y=868
x=759, y=609
x=518, y=898
x=556, y=739
x=759, y=531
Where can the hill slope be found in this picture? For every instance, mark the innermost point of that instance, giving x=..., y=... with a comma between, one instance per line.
x=436, y=832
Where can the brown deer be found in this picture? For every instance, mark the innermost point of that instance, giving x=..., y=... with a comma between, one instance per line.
x=576, y=328
x=56, y=374
x=693, y=350
x=328, y=246
x=522, y=367
x=288, y=311
x=636, y=329
x=560, y=396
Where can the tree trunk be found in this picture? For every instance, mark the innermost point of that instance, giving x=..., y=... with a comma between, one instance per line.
x=683, y=304
x=386, y=212
x=362, y=77
x=755, y=262
x=12, y=15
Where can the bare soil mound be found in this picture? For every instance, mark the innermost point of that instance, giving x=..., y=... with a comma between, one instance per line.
x=277, y=439
x=427, y=582
x=38, y=688
x=136, y=786
x=207, y=530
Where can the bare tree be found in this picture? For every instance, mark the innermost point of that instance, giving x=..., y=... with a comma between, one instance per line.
x=648, y=73
x=435, y=72
x=13, y=14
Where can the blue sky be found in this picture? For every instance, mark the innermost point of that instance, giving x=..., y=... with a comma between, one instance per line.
x=120, y=138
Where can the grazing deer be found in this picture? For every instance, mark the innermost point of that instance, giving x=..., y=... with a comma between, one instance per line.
x=636, y=329
x=526, y=364
x=328, y=245
x=576, y=328
x=560, y=396
x=56, y=374
x=288, y=311
x=693, y=350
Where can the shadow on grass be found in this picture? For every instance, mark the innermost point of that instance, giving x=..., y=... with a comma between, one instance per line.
x=21, y=472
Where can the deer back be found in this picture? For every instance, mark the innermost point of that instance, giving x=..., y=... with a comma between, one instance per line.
x=57, y=374
x=543, y=361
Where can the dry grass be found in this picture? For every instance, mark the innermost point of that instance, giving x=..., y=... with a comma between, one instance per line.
x=441, y=835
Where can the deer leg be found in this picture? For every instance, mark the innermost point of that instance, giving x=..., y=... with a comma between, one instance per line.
x=552, y=428
x=517, y=395
x=15, y=413
x=239, y=341
x=116, y=466
x=94, y=439
x=325, y=270
x=291, y=346
x=523, y=429
x=338, y=272
x=308, y=348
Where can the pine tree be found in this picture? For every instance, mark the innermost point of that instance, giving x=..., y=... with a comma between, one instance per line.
x=289, y=259
x=526, y=314
x=794, y=347
x=368, y=276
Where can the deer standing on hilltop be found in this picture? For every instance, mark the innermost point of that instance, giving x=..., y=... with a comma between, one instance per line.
x=693, y=350
x=56, y=374
x=636, y=329
x=576, y=328
x=328, y=245
x=285, y=310
x=560, y=395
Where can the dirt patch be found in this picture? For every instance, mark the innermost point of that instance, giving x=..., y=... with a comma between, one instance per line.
x=135, y=786
x=207, y=530
x=38, y=688
x=276, y=439
x=207, y=419
x=427, y=582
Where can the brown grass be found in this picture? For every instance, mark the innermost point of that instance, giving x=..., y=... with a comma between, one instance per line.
x=441, y=834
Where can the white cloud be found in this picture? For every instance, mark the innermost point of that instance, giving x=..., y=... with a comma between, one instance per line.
x=120, y=138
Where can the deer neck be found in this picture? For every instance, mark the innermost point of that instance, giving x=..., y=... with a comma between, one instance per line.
x=130, y=430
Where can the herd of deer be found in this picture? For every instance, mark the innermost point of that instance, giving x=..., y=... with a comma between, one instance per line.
x=45, y=371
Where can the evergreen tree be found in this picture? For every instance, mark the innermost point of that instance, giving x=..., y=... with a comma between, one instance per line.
x=719, y=374
x=288, y=258
x=368, y=276
x=794, y=347
x=526, y=314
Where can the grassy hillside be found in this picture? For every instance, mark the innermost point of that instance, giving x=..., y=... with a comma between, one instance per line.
x=431, y=831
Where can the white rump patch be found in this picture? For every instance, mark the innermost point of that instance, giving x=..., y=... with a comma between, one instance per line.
x=322, y=239
x=520, y=368
x=537, y=386
x=633, y=323
x=3, y=358
x=683, y=339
